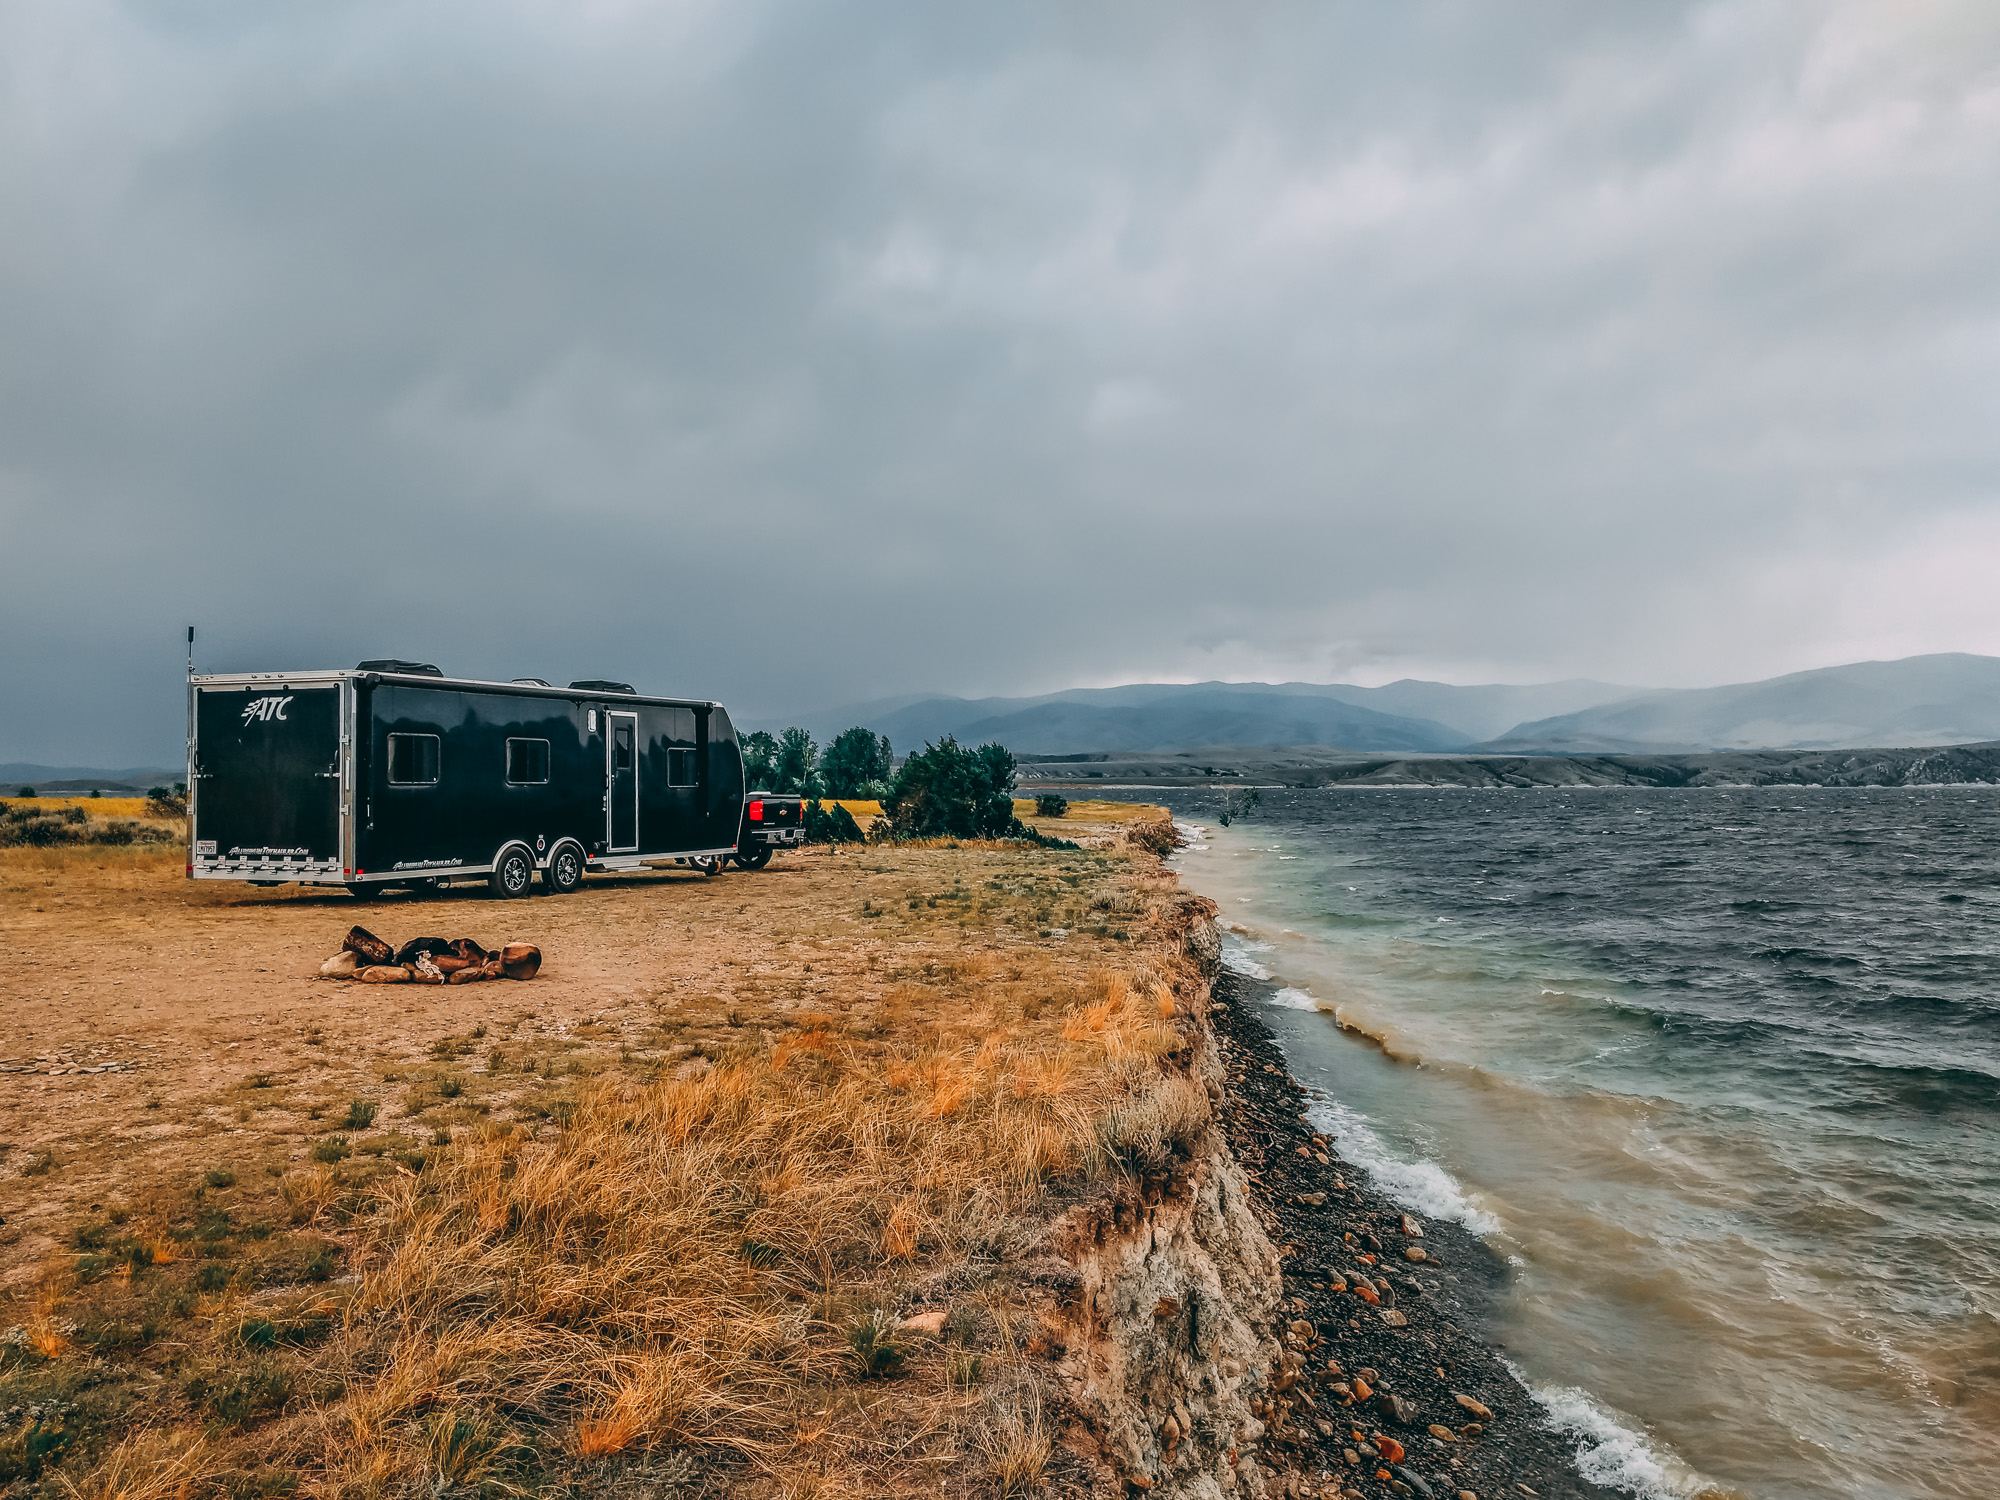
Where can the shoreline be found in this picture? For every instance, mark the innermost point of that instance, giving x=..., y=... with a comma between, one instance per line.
x=1311, y=1201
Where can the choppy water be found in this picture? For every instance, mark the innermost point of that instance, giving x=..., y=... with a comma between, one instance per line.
x=1719, y=1070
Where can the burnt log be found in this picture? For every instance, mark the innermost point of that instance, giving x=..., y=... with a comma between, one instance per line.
x=421, y=947
x=367, y=947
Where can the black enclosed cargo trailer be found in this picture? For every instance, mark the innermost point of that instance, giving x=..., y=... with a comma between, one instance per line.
x=401, y=776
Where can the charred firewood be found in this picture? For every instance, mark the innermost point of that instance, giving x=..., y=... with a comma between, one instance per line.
x=370, y=949
x=418, y=947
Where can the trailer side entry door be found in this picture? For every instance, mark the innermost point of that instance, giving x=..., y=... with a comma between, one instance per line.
x=267, y=780
x=622, y=746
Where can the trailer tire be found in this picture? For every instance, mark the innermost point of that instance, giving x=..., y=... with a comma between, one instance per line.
x=565, y=871
x=710, y=865
x=513, y=872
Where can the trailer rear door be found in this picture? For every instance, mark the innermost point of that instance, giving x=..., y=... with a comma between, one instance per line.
x=267, y=779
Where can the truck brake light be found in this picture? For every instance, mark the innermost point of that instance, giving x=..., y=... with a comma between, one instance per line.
x=756, y=811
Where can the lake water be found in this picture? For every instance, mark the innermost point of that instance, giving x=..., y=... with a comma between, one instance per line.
x=1717, y=1070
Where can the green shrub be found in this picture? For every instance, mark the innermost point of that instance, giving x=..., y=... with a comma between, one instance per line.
x=26, y=1449
x=876, y=1350
x=947, y=791
x=832, y=825
x=1051, y=805
x=360, y=1114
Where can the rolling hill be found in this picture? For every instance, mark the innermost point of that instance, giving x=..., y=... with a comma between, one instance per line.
x=1947, y=699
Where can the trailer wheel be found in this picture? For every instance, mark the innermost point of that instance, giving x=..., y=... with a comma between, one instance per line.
x=565, y=871
x=754, y=859
x=360, y=892
x=513, y=873
x=710, y=865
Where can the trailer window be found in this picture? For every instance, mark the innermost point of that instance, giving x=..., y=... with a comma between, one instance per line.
x=413, y=759
x=680, y=768
x=621, y=747
x=527, y=762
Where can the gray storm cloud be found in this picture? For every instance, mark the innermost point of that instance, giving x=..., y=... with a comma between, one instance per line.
x=798, y=354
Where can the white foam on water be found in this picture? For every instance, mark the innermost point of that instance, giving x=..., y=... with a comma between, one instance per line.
x=1611, y=1452
x=1422, y=1186
x=1236, y=958
x=1293, y=999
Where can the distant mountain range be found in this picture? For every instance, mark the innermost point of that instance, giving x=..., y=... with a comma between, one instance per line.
x=1947, y=699
x=67, y=781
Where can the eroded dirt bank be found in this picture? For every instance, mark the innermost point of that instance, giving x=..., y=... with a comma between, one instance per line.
x=1258, y=1320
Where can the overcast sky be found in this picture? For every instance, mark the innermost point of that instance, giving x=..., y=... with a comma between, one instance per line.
x=799, y=354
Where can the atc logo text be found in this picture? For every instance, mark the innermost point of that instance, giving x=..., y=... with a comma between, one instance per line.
x=266, y=709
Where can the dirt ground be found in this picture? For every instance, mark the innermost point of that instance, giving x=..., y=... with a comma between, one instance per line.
x=158, y=1029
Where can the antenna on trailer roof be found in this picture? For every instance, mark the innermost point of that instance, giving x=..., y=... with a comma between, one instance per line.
x=190, y=650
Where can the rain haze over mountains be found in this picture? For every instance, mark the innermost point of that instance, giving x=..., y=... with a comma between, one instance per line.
x=1933, y=700
x=806, y=356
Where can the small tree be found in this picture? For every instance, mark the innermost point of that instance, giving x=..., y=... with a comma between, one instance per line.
x=797, y=755
x=947, y=791
x=27, y=791
x=832, y=825
x=760, y=761
x=1051, y=805
x=856, y=758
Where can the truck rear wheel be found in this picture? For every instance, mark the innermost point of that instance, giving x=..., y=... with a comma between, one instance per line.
x=754, y=859
x=565, y=871
x=513, y=873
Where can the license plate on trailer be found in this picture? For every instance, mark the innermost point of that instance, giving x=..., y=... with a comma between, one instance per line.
x=205, y=848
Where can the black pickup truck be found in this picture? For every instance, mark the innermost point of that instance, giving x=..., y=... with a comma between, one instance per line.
x=771, y=821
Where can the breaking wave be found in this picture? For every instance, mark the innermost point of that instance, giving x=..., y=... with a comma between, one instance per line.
x=1422, y=1186
x=1611, y=1453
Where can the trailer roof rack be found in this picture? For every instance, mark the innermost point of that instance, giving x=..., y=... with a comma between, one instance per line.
x=598, y=685
x=398, y=665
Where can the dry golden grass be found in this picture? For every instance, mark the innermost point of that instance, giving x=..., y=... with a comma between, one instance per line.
x=861, y=808
x=668, y=1240
x=97, y=807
